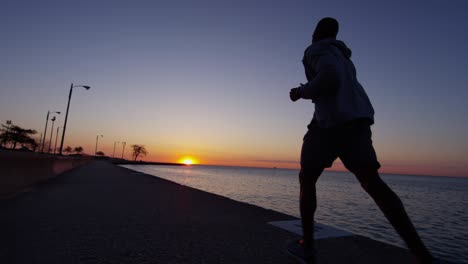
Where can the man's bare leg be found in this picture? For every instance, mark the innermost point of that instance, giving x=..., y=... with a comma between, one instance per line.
x=308, y=203
x=394, y=211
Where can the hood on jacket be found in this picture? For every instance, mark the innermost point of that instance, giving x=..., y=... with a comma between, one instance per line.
x=324, y=46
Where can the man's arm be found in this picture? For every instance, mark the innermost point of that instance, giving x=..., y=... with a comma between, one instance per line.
x=325, y=82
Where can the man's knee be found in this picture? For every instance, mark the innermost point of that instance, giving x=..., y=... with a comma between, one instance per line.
x=309, y=176
x=369, y=179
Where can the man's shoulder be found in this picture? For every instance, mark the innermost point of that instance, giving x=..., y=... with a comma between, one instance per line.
x=315, y=51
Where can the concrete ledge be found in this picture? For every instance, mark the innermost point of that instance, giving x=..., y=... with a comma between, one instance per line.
x=20, y=170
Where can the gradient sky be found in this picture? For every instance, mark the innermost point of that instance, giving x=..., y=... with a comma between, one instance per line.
x=211, y=79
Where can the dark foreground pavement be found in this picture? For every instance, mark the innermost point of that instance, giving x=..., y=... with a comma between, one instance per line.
x=101, y=213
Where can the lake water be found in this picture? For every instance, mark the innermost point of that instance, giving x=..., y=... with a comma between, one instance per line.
x=438, y=206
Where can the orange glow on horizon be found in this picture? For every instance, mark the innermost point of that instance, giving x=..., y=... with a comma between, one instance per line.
x=391, y=164
x=188, y=160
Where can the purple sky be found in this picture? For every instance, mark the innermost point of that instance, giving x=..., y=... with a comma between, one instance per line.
x=211, y=79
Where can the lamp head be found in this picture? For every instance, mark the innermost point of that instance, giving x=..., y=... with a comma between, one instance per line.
x=86, y=87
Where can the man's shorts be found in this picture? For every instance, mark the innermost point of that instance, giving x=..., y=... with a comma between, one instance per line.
x=351, y=143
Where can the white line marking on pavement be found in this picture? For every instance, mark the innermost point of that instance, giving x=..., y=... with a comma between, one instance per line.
x=321, y=231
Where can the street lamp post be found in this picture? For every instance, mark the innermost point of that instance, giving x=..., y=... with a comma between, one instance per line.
x=45, y=129
x=97, y=139
x=66, y=115
x=123, y=148
x=51, y=133
x=56, y=137
x=113, y=153
x=40, y=143
x=8, y=122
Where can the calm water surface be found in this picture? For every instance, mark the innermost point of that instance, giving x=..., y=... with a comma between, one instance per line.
x=438, y=206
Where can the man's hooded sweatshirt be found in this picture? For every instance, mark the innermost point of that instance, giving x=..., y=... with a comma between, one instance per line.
x=333, y=86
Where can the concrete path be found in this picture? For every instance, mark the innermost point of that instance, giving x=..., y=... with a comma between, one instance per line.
x=102, y=213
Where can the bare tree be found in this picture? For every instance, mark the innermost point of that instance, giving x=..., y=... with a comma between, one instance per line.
x=138, y=150
x=17, y=135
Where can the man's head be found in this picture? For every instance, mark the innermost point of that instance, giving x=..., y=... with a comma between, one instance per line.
x=326, y=28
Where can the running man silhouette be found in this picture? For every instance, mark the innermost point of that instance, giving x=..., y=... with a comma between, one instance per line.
x=340, y=128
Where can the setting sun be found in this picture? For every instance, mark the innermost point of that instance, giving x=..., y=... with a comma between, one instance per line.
x=187, y=161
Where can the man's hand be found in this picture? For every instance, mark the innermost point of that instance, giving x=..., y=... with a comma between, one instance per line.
x=294, y=94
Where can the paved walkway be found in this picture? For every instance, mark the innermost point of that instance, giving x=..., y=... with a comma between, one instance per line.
x=102, y=213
